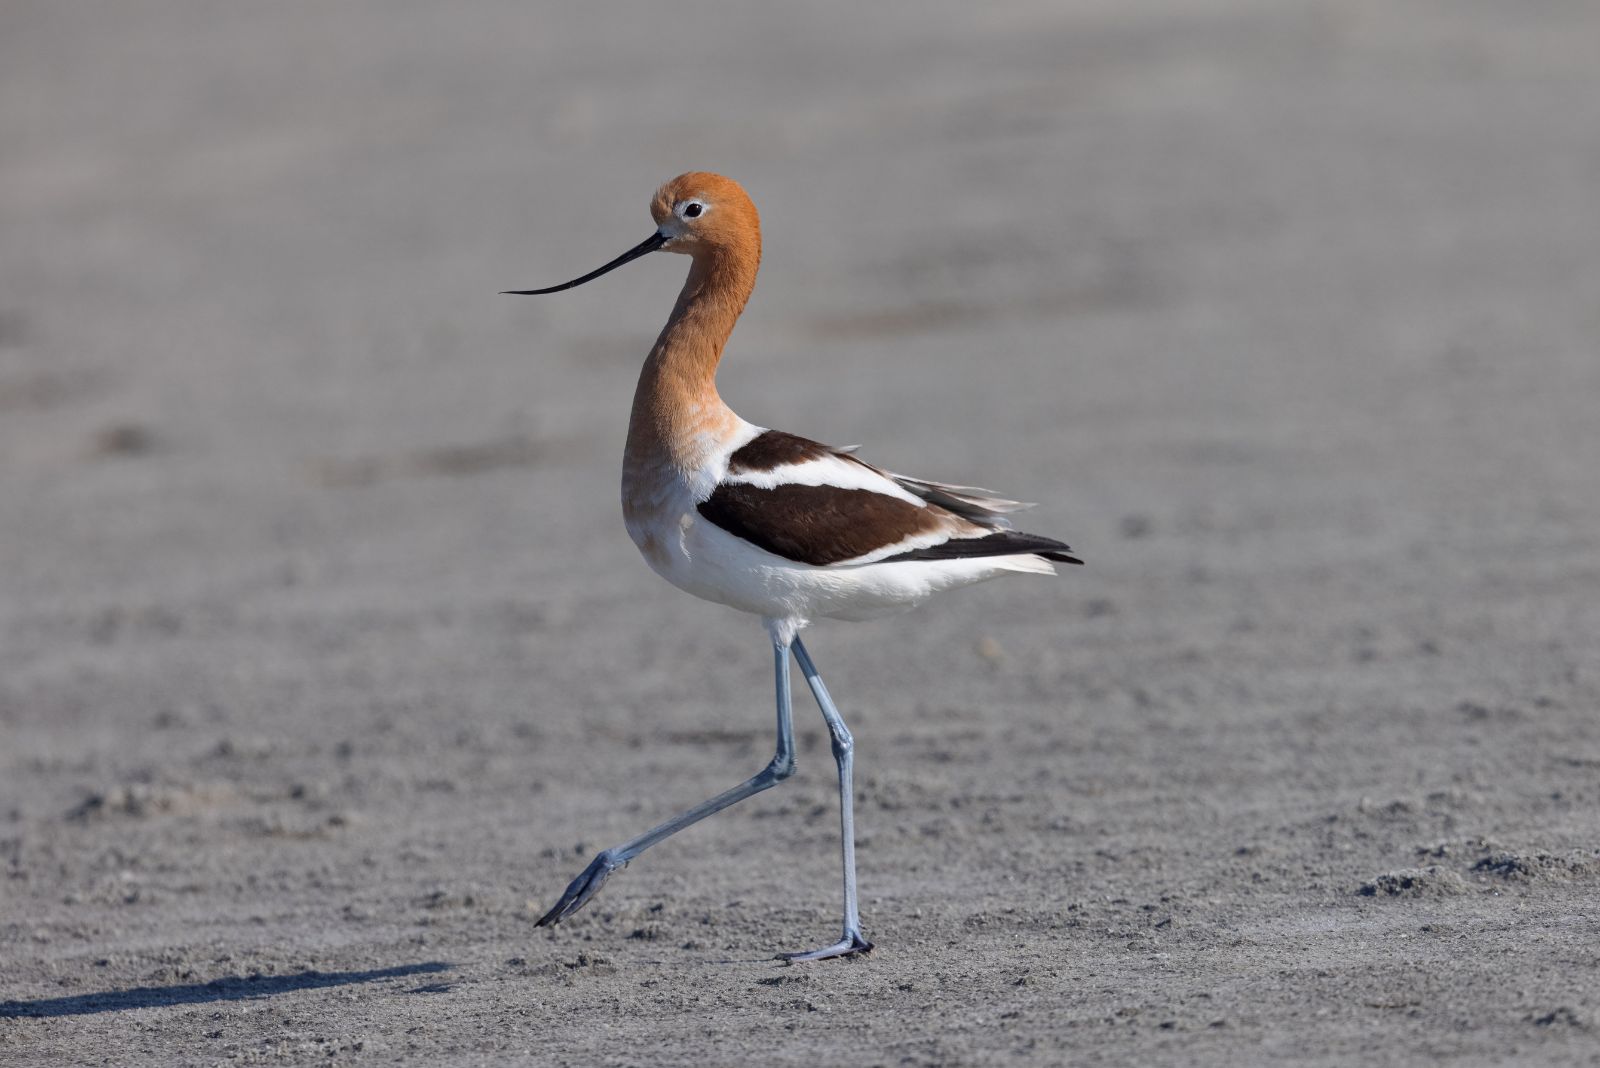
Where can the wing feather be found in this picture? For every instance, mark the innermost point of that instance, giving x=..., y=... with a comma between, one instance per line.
x=820, y=505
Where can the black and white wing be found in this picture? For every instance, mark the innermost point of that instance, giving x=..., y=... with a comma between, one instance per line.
x=820, y=505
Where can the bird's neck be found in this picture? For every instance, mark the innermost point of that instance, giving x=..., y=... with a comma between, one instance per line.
x=677, y=413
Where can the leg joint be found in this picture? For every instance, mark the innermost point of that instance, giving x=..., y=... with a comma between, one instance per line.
x=782, y=767
x=843, y=743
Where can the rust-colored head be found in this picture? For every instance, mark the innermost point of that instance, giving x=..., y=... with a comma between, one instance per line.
x=704, y=215
x=700, y=212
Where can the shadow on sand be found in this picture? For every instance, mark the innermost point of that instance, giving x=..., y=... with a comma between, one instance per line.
x=232, y=988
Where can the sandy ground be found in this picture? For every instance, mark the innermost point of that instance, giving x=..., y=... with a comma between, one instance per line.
x=325, y=661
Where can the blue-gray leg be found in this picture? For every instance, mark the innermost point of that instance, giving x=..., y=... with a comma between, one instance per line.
x=853, y=940
x=586, y=885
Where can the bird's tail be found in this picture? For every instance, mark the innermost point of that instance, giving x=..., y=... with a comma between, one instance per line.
x=1027, y=565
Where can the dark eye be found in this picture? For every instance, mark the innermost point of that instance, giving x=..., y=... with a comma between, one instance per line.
x=692, y=211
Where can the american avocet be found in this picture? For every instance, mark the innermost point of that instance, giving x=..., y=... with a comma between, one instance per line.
x=771, y=523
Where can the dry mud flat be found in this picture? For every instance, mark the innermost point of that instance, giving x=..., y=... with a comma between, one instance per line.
x=325, y=663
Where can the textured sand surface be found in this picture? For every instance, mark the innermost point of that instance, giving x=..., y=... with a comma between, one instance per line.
x=325, y=661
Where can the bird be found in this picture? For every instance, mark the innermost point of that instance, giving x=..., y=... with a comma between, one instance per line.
x=771, y=523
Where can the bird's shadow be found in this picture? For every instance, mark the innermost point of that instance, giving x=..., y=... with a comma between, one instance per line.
x=231, y=988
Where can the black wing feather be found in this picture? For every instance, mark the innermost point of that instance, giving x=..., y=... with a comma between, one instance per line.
x=1000, y=543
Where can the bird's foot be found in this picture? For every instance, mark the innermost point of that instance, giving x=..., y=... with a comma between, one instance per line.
x=582, y=889
x=850, y=945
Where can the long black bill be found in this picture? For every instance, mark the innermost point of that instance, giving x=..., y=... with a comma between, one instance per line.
x=655, y=241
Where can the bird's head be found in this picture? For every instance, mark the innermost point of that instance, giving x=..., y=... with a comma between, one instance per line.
x=700, y=214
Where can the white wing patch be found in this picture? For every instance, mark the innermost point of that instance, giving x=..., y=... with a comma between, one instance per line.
x=836, y=471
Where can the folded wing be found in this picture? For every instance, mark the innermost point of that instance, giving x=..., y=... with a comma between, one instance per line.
x=820, y=505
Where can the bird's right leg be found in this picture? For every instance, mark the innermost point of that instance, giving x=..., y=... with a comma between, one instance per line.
x=586, y=885
x=853, y=941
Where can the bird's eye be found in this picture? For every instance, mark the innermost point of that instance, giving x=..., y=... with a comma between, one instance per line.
x=693, y=209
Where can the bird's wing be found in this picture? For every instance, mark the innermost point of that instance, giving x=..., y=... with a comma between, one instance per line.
x=819, y=505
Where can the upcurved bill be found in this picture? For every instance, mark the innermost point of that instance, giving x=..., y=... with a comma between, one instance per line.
x=653, y=242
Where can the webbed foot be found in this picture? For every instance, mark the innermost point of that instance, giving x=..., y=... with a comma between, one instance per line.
x=850, y=945
x=584, y=887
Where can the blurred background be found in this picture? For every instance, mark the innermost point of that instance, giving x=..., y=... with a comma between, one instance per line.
x=314, y=592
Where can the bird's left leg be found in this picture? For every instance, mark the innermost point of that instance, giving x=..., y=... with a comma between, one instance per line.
x=589, y=881
x=853, y=940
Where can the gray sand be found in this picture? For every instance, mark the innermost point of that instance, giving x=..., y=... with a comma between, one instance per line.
x=326, y=661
